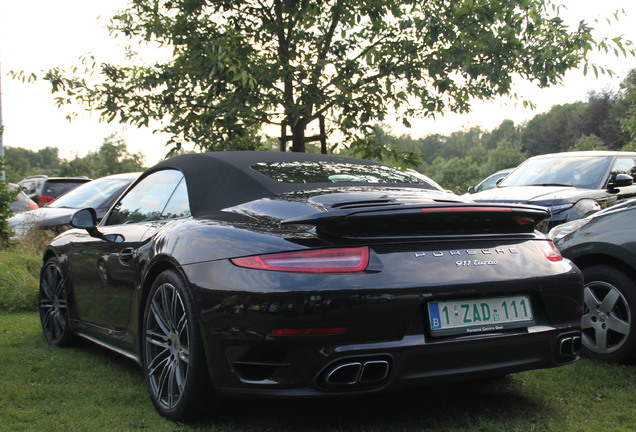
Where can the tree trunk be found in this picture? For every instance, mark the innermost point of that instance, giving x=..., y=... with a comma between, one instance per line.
x=298, y=136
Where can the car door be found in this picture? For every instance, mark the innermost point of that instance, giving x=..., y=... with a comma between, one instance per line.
x=624, y=165
x=106, y=273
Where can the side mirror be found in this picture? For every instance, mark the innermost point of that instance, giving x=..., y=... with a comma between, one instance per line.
x=87, y=219
x=471, y=189
x=621, y=180
x=84, y=219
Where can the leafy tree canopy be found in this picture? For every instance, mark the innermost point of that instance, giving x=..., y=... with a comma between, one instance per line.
x=627, y=108
x=238, y=65
x=112, y=157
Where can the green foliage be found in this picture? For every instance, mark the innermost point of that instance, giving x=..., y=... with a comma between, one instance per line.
x=589, y=142
x=239, y=65
x=553, y=131
x=507, y=154
x=455, y=173
x=376, y=145
x=627, y=109
x=111, y=158
x=20, y=264
x=19, y=271
x=6, y=198
x=21, y=162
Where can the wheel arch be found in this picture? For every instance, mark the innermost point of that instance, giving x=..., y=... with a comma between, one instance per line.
x=601, y=259
x=154, y=269
x=48, y=254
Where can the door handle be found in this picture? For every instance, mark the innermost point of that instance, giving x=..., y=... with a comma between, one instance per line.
x=126, y=256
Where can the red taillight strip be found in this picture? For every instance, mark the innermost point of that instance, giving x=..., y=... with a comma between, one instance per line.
x=341, y=260
x=466, y=210
x=549, y=250
x=43, y=199
x=308, y=331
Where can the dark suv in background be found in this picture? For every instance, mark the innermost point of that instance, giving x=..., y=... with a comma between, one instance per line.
x=43, y=189
x=571, y=185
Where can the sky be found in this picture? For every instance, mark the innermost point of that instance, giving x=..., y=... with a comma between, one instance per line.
x=37, y=35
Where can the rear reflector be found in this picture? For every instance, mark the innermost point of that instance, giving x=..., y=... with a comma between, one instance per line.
x=343, y=260
x=549, y=250
x=308, y=331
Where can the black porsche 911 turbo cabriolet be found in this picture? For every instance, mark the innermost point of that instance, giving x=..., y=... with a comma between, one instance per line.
x=284, y=274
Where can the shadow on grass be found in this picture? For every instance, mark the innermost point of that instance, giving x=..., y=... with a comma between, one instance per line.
x=46, y=388
x=459, y=405
x=499, y=403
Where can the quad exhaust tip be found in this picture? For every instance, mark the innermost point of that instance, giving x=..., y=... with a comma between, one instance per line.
x=363, y=372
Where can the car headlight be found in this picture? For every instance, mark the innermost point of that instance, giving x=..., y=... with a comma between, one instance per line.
x=560, y=207
x=560, y=231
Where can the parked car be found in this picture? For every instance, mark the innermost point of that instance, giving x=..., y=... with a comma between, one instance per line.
x=571, y=185
x=490, y=181
x=22, y=202
x=287, y=274
x=603, y=246
x=43, y=189
x=56, y=216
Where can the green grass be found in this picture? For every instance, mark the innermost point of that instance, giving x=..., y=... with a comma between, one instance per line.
x=19, y=273
x=87, y=388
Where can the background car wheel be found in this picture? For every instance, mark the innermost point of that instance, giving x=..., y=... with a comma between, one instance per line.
x=173, y=358
x=53, y=304
x=610, y=309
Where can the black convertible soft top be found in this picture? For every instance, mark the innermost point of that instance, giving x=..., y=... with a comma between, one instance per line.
x=218, y=180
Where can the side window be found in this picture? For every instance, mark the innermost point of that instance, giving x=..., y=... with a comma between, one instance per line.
x=147, y=200
x=178, y=205
x=624, y=166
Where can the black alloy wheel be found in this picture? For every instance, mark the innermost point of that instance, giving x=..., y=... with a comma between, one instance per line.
x=173, y=358
x=53, y=304
x=610, y=310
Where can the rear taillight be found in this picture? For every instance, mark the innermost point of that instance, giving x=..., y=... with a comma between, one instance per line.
x=33, y=205
x=43, y=199
x=549, y=250
x=342, y=260
x=466, y=210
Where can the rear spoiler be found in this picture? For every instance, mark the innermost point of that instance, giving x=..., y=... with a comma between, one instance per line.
x=426, y=220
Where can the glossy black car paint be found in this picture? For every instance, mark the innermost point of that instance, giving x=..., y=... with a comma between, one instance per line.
x=457, y=250
x=604, y=248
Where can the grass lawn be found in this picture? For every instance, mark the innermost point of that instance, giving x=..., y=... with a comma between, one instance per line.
x=86, y=388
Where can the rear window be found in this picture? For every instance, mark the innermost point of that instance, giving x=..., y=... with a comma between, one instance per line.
x=330, y=172
x=55, y=188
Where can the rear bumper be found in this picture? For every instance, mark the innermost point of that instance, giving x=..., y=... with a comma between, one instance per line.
x=410, y=362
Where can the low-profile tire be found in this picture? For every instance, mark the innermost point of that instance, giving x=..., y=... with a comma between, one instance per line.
x=53, y=304
x=609, y=332
x=173, y=357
